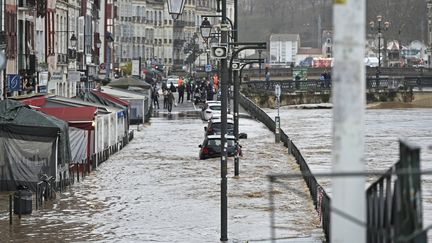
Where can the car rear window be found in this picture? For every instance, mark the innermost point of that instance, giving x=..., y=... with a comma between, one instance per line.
x=215, y=107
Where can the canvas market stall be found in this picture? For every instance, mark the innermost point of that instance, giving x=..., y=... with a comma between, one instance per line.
x=32, y=144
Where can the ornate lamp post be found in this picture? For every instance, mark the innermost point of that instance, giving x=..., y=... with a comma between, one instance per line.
x=109, y=41
x=175, y=8
x=379, y=29
x=206, y=29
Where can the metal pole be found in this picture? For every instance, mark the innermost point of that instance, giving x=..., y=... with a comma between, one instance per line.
x=379, y=51
x=236, y=97
x=108, y=52
x=348, y=195
x=224, y=99
x=10, y=209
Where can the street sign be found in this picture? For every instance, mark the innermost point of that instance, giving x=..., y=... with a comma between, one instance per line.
x=219, y=52
x=277, y=90
x=208, y=68
x=14, y=82
x=235, y=66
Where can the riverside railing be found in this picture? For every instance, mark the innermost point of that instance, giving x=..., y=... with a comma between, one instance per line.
x=319, y=197
x=394, y=207
x=317, y=85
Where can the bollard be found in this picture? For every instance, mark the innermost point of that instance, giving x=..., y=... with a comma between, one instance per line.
x=277, y=130
x=289, y=146
x=10, y=209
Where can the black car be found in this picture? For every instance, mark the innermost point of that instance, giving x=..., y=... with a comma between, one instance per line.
x=214, y=127
x=211, y=147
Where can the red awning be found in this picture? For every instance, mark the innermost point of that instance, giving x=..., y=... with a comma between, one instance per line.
x=111, y=98
x=79, y=117
x=38, y=101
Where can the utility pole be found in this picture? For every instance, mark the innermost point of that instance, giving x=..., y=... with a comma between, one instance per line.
x=348, y=206
x=429, y=13
x=224, y=99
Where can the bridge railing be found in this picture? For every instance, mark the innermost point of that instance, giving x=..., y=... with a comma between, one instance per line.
x=372, y=84
x=319, y=197
x=370, y=71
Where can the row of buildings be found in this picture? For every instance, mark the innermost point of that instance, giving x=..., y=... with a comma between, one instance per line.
x=286, y=50
x=54, y=45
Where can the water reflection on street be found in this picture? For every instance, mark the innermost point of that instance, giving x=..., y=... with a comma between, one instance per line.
x=156, y=189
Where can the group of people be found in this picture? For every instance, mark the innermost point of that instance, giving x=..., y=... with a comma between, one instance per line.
x=194, y=88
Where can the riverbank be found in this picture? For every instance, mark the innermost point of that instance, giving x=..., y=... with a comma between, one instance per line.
x=374, y=105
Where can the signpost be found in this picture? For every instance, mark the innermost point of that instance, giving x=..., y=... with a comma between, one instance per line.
x=277, y=118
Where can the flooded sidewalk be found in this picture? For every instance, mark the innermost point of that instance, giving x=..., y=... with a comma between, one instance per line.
x=157, y=190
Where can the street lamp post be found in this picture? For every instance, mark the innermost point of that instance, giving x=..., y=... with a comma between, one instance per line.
x=379, y=29
x=109, y=42
x=175, y=8
x=206, y=29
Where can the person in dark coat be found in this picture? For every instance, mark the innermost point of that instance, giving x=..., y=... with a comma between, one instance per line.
x=210, y=91
x=181, y=90
x=172, y=88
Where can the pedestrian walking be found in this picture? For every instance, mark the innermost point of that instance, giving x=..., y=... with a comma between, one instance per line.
x=155, y=97
x=165, y=98
x=170, y=101
x=172, y=88
x=181, y=90
x=267, y=78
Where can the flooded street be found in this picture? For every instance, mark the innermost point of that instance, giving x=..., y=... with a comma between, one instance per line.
x=311, y=131
x=157, y=190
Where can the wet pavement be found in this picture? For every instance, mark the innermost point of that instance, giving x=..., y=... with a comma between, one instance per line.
x=157, y=190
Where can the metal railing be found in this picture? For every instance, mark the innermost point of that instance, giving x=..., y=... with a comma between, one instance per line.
x=372, y=84
x=370, y=71
x=319, y=197
x=394, y=206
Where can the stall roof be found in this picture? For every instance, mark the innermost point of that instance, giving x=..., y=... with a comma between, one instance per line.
x=123, y=93
x=79, y=117
x=71, y=114
x=38, y=100
x=111, y=98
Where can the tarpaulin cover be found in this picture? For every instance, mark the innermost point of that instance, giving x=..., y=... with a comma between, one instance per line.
x=79, y=117
x=28, y=145
x=78, y=143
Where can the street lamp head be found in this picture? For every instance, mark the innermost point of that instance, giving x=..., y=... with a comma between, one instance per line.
x=205, y=29
x=175, y=8
x=73, y=40
x=372, y=25
x=98, y=43
x=386, y=25
x=379, y=18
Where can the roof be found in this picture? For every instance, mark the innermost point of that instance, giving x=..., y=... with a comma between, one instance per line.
x=71, y=114
x=127, y=82
x=122, y=93
x=285, y=37
x=111, y=98
x=309, y=51
x=34, y=101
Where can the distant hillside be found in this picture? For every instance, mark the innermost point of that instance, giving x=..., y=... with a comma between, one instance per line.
x=259, y=18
